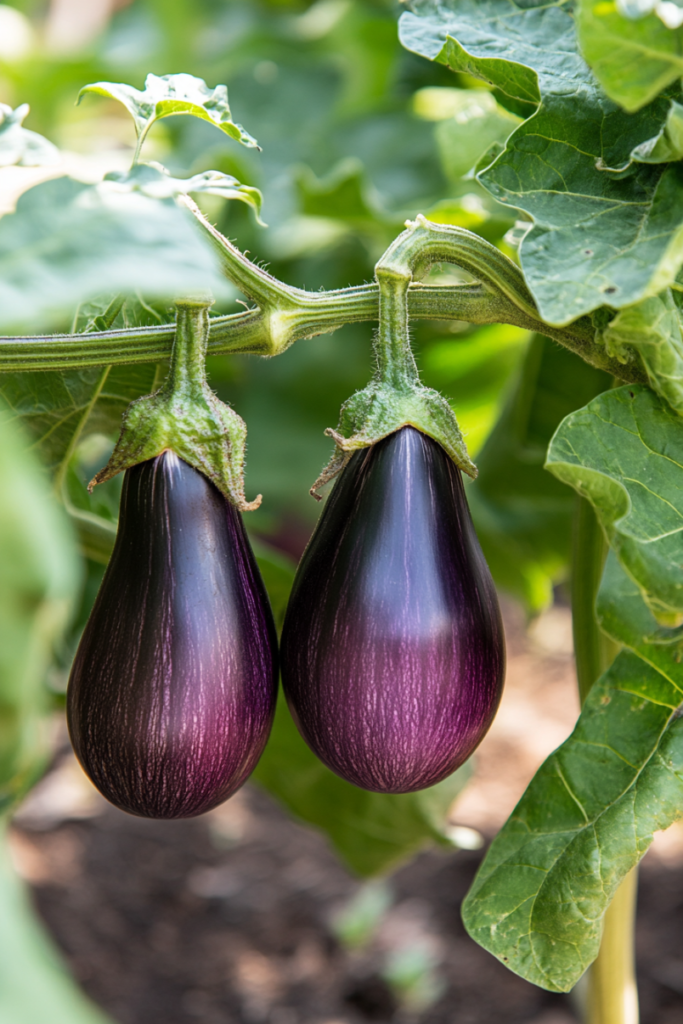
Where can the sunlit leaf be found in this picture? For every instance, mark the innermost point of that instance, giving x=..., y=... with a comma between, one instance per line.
x=632, y=59
x=167, y=95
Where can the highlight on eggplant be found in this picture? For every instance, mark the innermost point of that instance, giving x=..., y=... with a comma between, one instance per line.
x=392, y=651
x=172, y=692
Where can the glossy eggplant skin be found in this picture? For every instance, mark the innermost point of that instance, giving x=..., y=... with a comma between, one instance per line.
x=392, y=651
x=172, y=691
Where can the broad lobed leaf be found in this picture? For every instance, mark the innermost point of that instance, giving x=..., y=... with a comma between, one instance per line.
x=156, y=182
x=606, y=229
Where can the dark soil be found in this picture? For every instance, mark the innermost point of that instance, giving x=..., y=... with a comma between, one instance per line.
x=230, y=918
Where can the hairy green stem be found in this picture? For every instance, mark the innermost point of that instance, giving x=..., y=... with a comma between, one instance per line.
x=187, y=371
x=612, y=996
x=285, y=314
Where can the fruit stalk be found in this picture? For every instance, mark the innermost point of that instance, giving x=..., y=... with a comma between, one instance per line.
x=612, y=994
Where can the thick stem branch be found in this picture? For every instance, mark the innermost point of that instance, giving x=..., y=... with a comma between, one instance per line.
x=612, y=994
x=285, y=314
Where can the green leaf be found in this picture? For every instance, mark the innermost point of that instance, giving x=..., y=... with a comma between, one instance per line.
x=156, y=182
x=39, y=578
x=35, y=985
x=653, y=329
x=372, y=832
x=667, y=145
x=599, y=235
x=59, y=409
x=632, y=59
x=522, y=515
x=624, y=452
x=586, y=819
x=168, y=95
x=20, y=146
x=79, y=240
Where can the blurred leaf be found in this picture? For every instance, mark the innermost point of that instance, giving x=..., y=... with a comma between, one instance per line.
x=155, y=181
x=77, y=240
x=667, y=145
x=522, y=515
x=167, y=95
x=472, y=373
x=35, y=986
x=39, y=577
x=476, y=123
x=278, y=575
x=623, y=453
x=632, y=59
x=20, y=146
x=372, y=832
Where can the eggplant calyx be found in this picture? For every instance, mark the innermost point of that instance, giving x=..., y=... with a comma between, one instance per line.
x=381, y=409
x=185, y=416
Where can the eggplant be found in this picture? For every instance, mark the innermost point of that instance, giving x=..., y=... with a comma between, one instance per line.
x=392, y=650
x=172, y=692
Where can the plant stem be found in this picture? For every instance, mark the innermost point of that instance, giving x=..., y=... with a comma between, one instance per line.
x=286, y=314
x=612, y=994
x=187, y=371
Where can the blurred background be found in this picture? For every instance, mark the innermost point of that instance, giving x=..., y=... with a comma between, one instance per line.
x=246, y=915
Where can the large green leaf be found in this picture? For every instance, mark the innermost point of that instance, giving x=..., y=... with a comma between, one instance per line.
x=624, y=452
x=590, y=812
x=523, y=516
x=68, y=241
x=606, y=229
x=633, y=59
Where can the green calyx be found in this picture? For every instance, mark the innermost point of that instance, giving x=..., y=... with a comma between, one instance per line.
x=396, y=398
x=186, y=417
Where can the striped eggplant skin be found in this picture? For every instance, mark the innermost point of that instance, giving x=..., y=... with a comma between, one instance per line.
x=172, y=691
x=393, y=653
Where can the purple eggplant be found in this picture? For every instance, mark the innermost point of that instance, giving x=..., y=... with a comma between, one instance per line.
x=392, y=651
x=173, y=688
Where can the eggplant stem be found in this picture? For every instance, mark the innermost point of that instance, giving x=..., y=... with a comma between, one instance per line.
x=612, y=994
x=284, y=314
